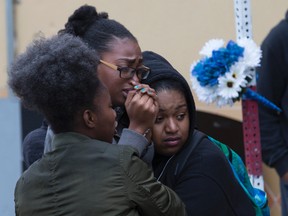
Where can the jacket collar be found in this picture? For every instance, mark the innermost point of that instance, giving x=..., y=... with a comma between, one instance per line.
x=68, y=138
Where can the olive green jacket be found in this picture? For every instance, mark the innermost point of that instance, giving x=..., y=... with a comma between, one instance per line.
x=89, y=177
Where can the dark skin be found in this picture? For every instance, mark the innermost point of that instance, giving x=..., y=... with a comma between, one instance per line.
x=99, y=123
x=140, y=101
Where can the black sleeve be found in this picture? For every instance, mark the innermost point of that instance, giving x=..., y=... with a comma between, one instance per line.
x=33, y=145
x=272, y=84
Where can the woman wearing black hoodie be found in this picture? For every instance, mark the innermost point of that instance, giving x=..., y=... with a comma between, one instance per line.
x=205, y=182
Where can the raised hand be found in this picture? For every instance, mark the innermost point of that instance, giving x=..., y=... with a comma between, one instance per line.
x=142, y=107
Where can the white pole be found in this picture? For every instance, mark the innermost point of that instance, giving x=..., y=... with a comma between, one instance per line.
x=251, y=132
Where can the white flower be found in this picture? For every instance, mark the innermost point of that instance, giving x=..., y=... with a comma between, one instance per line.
x=230, y=85
x=228, y=88
x=223, y=101
x=213, y=44
x=252, y=53
x=239, y=73
x=205, y=94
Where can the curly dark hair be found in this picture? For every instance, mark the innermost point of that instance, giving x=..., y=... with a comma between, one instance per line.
x=96, y=29
x=57, y=77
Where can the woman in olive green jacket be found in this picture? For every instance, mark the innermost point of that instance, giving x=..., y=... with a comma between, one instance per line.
x=85, y=174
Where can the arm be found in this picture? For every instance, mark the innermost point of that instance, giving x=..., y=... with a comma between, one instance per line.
x=150, y=196
x=141, y=108
x=139, y=142
x=272, y=85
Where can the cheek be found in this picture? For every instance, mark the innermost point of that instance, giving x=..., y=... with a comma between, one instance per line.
x=157, y=134
x=114, y=85
x=108, y=77
x=185, y=129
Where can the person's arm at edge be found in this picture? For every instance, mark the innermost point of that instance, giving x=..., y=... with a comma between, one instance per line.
x=152, y=197
x=271, y=85
x=138, y=142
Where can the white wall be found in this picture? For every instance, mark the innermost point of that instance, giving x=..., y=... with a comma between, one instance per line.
x=176, y=29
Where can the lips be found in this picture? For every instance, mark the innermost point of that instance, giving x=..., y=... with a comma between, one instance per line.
x=172, y=141
x=127, y=90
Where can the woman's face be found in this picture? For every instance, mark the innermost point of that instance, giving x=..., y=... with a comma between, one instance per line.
x=125, y=52
x=171, y=128
x=105, y=116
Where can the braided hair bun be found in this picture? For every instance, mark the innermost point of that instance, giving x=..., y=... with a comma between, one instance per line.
x=95, y=29
x=81, y=20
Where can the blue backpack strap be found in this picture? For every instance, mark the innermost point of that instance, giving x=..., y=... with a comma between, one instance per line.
x=257, y=196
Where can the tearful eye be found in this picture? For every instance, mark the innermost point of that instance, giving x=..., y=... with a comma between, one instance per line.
x=158, y=119
x=126, y=70
x=181, y=116
x=143, y=72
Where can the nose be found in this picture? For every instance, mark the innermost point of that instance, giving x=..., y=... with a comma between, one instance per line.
x=135, y=78
x=171, y=126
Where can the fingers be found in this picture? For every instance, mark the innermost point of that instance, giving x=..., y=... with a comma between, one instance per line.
x=142, y=112
x=136, y=99
x=140, y=102
x=141, y=97
x=142, y=105
x=130, y=96
x=145, y=89
x=140, y=90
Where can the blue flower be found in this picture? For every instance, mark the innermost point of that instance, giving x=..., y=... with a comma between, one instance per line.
x=224, y=74
x=208, y=70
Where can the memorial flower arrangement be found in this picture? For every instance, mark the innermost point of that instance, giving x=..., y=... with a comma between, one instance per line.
x=224, y=73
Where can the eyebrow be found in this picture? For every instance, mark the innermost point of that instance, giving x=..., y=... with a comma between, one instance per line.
x=131, y=60
x=177, y=108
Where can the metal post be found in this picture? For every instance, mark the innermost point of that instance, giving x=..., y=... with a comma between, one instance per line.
x=251, y=132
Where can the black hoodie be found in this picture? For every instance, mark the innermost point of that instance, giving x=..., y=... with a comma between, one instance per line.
x=206, y=183
x=272, y=83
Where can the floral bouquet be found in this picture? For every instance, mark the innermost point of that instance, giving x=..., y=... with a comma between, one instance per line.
x=224, y=74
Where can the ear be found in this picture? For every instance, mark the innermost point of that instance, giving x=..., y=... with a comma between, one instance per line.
x=89, y=118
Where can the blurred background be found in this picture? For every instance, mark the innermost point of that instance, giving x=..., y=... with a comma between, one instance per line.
x=174, y=29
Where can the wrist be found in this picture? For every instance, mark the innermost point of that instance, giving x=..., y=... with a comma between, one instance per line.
x=142, y=131
x=148, y=135
x=147, y=132
x=138, y=128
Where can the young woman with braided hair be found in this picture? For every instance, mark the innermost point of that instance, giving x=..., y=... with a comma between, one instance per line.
x=121, y=70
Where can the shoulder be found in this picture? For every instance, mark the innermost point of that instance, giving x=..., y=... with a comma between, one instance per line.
x=206, y=160
x=33, y=145
x=122, y=155
x=208, y=150
x=121, y=150
x=37, y=135
x=277, y=34
x=129, y=161
x=207, y=169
